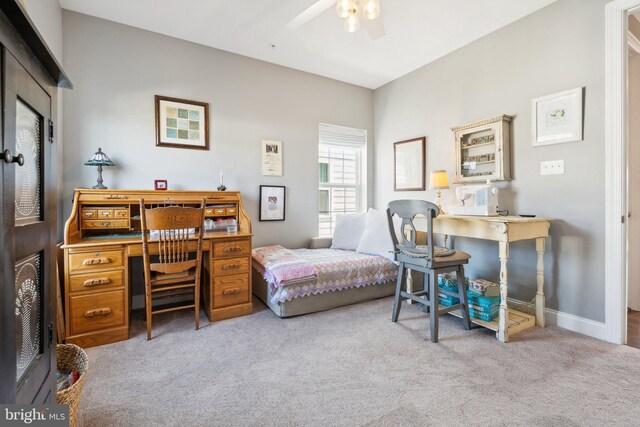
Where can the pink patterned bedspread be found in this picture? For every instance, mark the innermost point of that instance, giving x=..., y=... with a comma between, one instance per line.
x=279, y=265
x=333, y=270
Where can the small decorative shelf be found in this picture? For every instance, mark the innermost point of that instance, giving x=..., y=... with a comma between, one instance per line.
x=482, y=150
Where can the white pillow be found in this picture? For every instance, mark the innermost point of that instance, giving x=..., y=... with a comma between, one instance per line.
x=348, y=230
x=376, y=239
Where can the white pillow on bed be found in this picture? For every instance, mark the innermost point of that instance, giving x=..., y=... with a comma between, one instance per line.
x=348, y=230
x=376, y=239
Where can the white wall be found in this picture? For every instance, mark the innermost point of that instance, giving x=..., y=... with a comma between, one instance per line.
x=117, y=70
x=557, y=48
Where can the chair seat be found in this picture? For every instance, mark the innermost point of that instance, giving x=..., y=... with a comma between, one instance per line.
x=456, y=258
x=421, y=251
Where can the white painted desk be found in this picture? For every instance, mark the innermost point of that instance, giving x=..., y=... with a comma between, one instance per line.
x=502, y=229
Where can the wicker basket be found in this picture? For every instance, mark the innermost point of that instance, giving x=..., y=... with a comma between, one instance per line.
x=71, y=357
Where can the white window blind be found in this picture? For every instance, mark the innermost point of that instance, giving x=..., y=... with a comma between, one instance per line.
x=341, y=165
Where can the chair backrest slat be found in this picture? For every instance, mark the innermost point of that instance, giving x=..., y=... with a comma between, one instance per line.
x=407, y=210
x=171, y=223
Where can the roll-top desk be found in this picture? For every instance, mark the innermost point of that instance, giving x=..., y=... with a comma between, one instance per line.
x=103, y=232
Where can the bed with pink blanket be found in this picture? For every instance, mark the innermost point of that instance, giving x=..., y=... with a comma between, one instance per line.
x=300, y=281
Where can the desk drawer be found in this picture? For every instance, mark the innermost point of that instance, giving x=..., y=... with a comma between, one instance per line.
x=231, y=211
x=105, y=213
x=225, y=267
x=95, y=260
x=121, y=213
x=230, y=290
x=89, y=213
x=219, y=211
x=92, y=312
x=234, y=248
x=208, y=212
x=108, y=223
x=96, y=281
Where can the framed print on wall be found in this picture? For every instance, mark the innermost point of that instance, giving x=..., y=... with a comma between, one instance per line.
x=409, y=164
x=181, y=123
x=271, y=158
x=272, y=202
x=557, y=118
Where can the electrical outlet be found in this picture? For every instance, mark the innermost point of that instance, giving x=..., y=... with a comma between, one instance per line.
x=552, y=167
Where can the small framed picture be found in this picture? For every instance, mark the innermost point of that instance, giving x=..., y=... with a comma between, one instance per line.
x=271, y=158
x=557, y=118
x=160, y=184
x=410, y=164
x=272, y=202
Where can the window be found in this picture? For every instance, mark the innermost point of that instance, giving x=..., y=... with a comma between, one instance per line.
x=342, y=166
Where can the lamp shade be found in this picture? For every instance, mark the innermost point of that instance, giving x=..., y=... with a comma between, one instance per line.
x=99, y=159
x=438, y=180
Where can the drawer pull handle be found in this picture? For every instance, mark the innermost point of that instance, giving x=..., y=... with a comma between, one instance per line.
x=95, y=261
x=231, y=291
x=87, y=213
x=105, y=213
x=232, y=249
x=230, y=266
x=122, y=214
x=96, y=282
x=116, y=196
x=105, y=223
x=97, y=312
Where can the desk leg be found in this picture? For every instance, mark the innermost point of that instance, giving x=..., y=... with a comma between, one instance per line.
x=540, y=242
x=503, y=332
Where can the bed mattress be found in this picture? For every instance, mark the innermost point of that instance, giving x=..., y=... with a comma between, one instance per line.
x=333, y=270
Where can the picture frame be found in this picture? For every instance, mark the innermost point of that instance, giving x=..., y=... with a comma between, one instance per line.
x=181, y=123
x=409, y=164
x=271, y=157
x=557, y=118
x=160, y=185
x=272, y=202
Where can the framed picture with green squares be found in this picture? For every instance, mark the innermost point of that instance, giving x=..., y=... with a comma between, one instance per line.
x=181, y=123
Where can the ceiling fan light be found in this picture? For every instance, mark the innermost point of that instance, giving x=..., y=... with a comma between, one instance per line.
x=343, y=7
x=352, y=23
x=372, y=9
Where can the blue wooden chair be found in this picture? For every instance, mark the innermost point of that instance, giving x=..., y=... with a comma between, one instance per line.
x=430, y=260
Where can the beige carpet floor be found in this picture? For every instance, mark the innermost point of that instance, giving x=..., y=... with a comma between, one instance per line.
x=353, y=367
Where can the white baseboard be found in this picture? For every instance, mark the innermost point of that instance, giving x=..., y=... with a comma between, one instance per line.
x=572, y=322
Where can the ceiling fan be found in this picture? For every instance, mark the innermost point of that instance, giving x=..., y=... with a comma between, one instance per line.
x=351, y=11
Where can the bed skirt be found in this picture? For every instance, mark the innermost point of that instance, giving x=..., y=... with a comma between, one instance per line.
x=320, y=302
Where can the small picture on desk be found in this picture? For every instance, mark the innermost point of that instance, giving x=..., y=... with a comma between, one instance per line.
x=160, y=184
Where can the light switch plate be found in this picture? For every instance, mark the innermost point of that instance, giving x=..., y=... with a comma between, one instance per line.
x=552, y=167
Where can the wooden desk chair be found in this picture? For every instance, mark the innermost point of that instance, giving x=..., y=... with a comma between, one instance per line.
x=175, y=271
x=428, y=259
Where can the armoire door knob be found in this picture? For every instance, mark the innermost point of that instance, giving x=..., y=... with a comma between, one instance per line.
x=9, y=158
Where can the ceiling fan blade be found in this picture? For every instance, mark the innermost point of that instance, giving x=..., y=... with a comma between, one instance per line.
x=310, y=13
x=375, y=28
